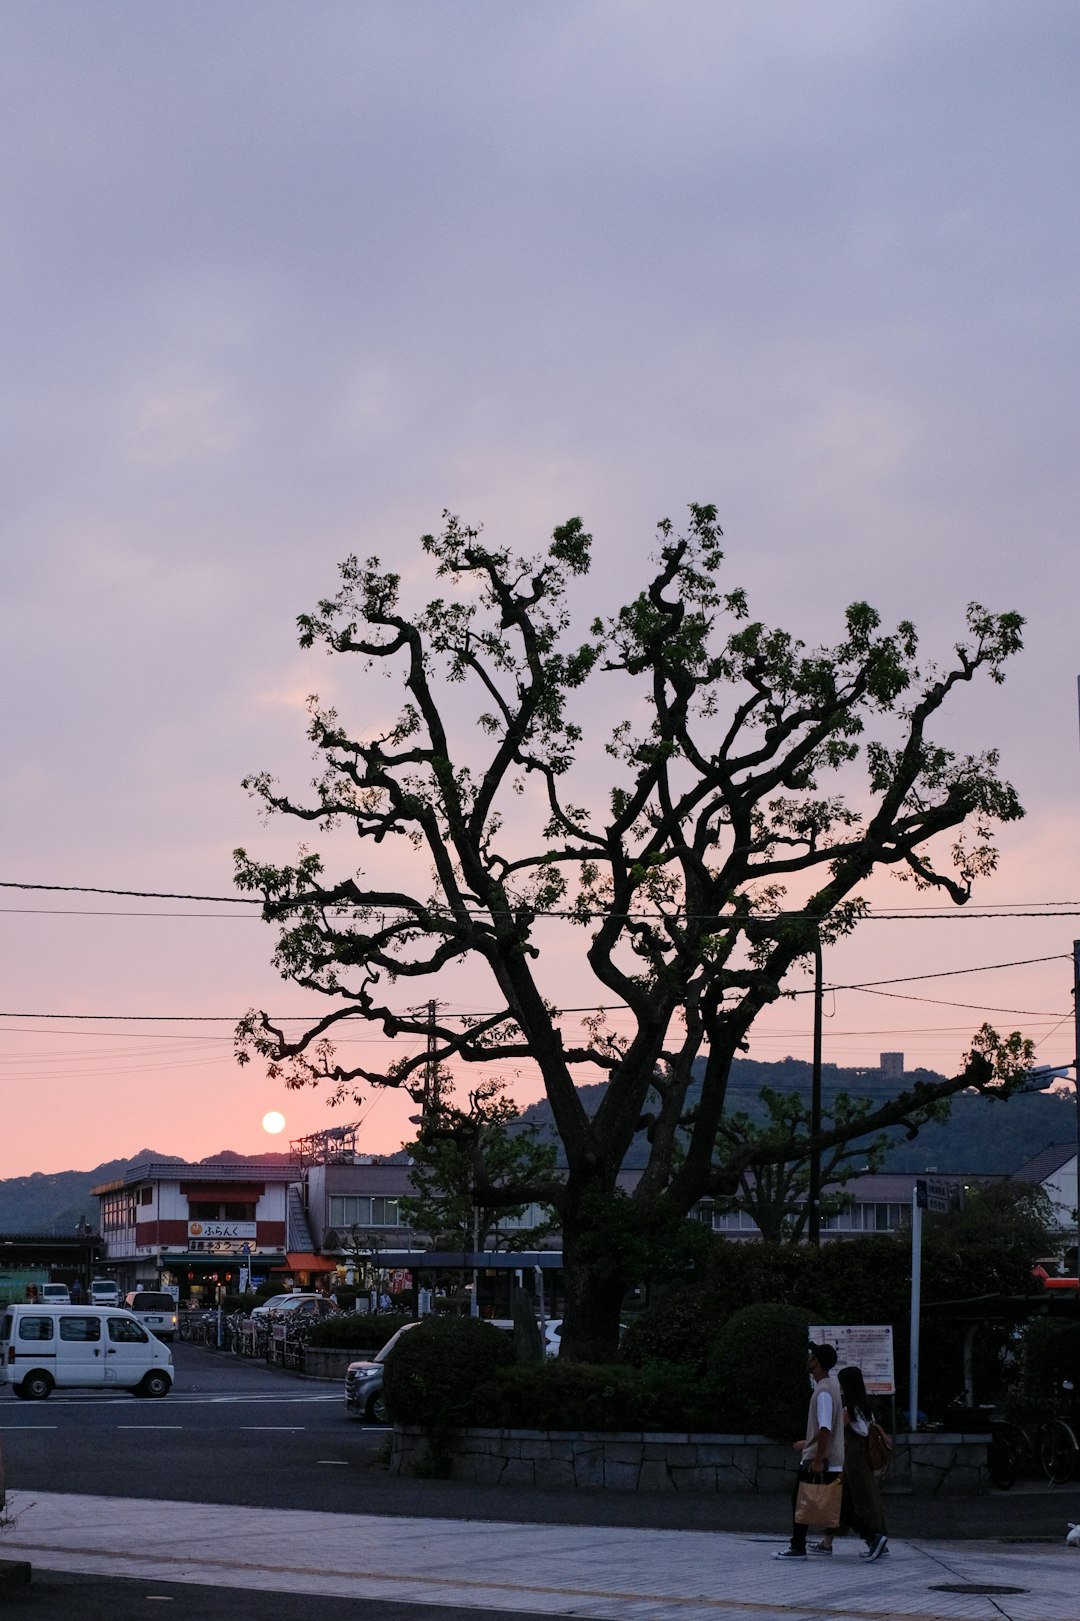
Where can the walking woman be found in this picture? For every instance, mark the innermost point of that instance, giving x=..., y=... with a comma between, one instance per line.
x=861, y=1508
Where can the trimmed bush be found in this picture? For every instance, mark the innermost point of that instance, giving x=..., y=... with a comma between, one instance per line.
x=357, y=1331
x=680, y=1328
x=584, y=1396
x=432, y=1373
x=758, y=1363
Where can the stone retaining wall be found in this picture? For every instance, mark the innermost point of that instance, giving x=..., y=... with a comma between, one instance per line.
x=929, y=1465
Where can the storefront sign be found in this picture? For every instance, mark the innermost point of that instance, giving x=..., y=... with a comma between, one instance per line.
x=240, y=1231
x=865, y=1346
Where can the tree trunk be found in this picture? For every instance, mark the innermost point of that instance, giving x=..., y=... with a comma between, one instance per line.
x=594, y=1286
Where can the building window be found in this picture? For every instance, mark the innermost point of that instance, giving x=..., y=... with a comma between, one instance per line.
x=146, y=1196
x=118, y=1210
x=357, y=1211
x=205, y=1210
x=534, y=1215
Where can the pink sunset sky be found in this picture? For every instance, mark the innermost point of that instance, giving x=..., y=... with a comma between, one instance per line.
x=285, y=282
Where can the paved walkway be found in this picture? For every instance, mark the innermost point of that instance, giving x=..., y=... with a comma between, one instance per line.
x=602, y=1572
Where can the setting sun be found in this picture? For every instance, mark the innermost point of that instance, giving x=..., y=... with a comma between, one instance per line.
x=273, y=1122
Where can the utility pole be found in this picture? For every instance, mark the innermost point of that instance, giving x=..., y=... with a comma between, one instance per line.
x=814, y=1193
x=432, y=1097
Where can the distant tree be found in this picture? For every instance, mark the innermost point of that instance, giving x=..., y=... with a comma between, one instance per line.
x=742, y=765
x=775, y=1194
x=463, y=1158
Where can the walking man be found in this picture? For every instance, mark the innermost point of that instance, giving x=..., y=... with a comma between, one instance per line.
x=821, y=1450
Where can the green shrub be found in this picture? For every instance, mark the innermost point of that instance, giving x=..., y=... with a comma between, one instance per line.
x=357, y=1331
x=432, y=1373
x=582, y=1396
x=1051, y=1361
x=679, y=1328
x=758, y=1362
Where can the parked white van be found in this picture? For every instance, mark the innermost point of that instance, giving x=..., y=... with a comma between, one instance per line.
x=104, y=1292
x=91, y=1347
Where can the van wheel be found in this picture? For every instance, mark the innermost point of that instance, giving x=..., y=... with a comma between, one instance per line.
x=155, y=1384
x=35, y=1387
x=377, y=1410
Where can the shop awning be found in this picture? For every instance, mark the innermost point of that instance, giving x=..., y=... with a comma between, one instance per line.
x=297, y=1261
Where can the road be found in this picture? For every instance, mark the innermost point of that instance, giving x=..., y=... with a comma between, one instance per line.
x=229, y=1432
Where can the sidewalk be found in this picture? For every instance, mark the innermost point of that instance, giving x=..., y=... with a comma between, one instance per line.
x=601, y=1572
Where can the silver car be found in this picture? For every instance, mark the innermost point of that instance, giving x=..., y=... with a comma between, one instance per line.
x=364, y=1382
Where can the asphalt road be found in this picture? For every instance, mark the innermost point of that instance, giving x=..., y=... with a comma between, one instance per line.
x=228, y=1432
x=54, y=1596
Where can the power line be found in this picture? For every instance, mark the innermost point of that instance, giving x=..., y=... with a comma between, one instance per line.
x=1046, y=909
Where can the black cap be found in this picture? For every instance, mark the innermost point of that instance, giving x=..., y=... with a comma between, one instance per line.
x=825, y=1354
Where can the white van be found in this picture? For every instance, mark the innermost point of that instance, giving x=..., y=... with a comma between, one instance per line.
x=91, y=1347
x=104, y=1292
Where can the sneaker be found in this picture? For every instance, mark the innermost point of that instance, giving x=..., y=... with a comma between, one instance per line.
x=789, y=1553
x=820, y=1547
x=879, y=1546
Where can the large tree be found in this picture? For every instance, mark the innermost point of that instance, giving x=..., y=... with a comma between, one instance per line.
x=741, y=807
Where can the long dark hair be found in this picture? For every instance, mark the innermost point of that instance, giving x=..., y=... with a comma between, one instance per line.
x=854, y=1393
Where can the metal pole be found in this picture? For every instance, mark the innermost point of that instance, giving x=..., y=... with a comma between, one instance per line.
x=1076, y=1083
x=474, y=1304
x=814, y=1195
x=916, y=1311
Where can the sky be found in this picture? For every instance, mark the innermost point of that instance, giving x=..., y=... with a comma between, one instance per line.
x=284, y=281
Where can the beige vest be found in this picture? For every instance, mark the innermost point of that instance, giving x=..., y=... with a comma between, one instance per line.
x=835, y=1456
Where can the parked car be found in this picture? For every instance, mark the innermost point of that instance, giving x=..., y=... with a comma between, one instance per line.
x=364, y=1382
x=104, y=1292
x=155, y=1309
x=304, y=1305
x=43, y=1348
x=54, y=1294
x=552, y=1333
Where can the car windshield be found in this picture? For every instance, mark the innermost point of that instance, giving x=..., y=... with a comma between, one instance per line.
x=152, y=1302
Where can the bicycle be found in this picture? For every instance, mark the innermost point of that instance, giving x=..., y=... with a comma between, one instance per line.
x=1009, y=1453
x=1058, y=1451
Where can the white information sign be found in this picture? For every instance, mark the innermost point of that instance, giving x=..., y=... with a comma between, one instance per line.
x=865, y=1346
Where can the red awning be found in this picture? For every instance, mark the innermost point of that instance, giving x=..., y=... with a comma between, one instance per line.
x=298, y=1262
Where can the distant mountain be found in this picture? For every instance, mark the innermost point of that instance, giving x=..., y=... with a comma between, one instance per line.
x=982, y=1135
x=57, y=1203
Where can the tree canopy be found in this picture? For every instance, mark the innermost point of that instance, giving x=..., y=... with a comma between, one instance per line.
x=751, y=786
